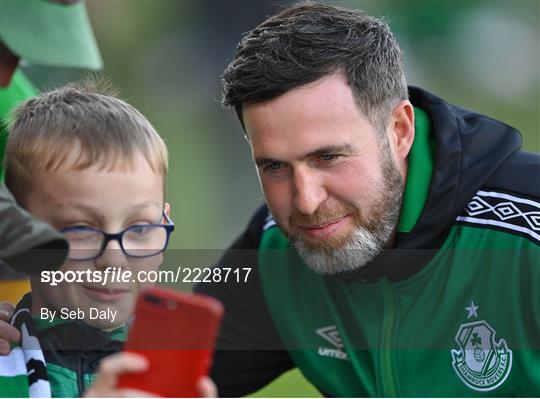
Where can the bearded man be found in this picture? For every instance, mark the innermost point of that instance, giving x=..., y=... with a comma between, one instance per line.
x=398, y=254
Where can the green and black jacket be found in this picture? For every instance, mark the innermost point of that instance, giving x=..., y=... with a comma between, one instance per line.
x=61, y=357
x=452, y=310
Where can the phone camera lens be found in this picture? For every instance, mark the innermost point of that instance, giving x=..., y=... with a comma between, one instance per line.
x=153, y=299
x=171, y=305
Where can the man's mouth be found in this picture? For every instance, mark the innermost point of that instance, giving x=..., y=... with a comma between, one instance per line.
x=324, y=230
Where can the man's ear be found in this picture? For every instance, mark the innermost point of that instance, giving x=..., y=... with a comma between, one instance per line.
x=402, y=129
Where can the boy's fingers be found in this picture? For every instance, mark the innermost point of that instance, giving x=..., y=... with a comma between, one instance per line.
x=4, y=315
x=132, y=393
x=5, y=348
x=6, y=310
x=118, y=393
x=9, y=333
x=110, y=369
x=7, y=306
x=113, y=366
x=206, y=388
x=124, y=362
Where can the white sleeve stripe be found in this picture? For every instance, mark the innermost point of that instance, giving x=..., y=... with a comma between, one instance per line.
x=491, y=222
x=508, y=197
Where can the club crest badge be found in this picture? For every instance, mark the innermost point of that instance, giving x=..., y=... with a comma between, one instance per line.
x=480, y=362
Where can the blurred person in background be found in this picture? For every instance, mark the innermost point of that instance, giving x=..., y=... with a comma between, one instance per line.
x=27, y=245
x=398, y=251
x=45, y=32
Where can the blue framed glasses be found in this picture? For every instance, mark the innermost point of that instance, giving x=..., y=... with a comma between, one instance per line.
x=136, y=241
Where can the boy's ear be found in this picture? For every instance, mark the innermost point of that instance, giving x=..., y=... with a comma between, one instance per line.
x=167, y=209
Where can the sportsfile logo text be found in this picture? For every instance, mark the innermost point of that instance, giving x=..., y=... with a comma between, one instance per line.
x=113, y=274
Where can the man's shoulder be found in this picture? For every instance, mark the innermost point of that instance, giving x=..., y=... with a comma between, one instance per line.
x=519, y=174
x=510, y=200
x=251, y=237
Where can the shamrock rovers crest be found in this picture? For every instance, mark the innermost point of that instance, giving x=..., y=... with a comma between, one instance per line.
x=481, y=363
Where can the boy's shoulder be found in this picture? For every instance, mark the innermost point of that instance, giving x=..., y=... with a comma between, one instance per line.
x=54, y=359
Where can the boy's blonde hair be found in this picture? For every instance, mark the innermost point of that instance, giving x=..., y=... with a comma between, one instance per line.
x=49, y=129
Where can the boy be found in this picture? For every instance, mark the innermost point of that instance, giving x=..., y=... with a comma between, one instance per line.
x=94, y=168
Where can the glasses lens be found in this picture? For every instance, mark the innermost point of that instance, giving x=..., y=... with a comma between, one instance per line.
x=142, y=241
x=83, y=243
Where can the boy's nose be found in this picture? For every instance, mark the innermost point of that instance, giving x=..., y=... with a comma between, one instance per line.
x=112, y=256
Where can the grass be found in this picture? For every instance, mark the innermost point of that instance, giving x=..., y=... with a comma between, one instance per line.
x=292, y=384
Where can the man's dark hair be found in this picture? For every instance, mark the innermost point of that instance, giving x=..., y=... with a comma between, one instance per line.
x=308, y=41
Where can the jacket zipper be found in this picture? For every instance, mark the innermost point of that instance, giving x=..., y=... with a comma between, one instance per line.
x=80, y=376
x=389, y=322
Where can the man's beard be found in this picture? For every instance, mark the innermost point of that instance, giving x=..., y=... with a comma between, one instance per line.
x=372, y=232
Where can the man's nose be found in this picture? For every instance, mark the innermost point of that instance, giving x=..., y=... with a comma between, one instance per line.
x=309, y=191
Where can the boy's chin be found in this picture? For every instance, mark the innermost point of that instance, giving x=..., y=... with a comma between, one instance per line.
x=108, y=317
x=106, y=325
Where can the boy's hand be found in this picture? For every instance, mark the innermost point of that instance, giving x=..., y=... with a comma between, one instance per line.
x=8, y=333
x=114, y=366
x=207, y=388
x=108, y=372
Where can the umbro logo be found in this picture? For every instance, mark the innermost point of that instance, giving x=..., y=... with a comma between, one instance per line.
x=331, y=335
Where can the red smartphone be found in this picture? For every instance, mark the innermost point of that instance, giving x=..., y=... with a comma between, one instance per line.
x=176, y=332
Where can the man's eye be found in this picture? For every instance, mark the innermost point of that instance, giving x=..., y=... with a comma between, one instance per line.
x=327, y=157
x=273, y=167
